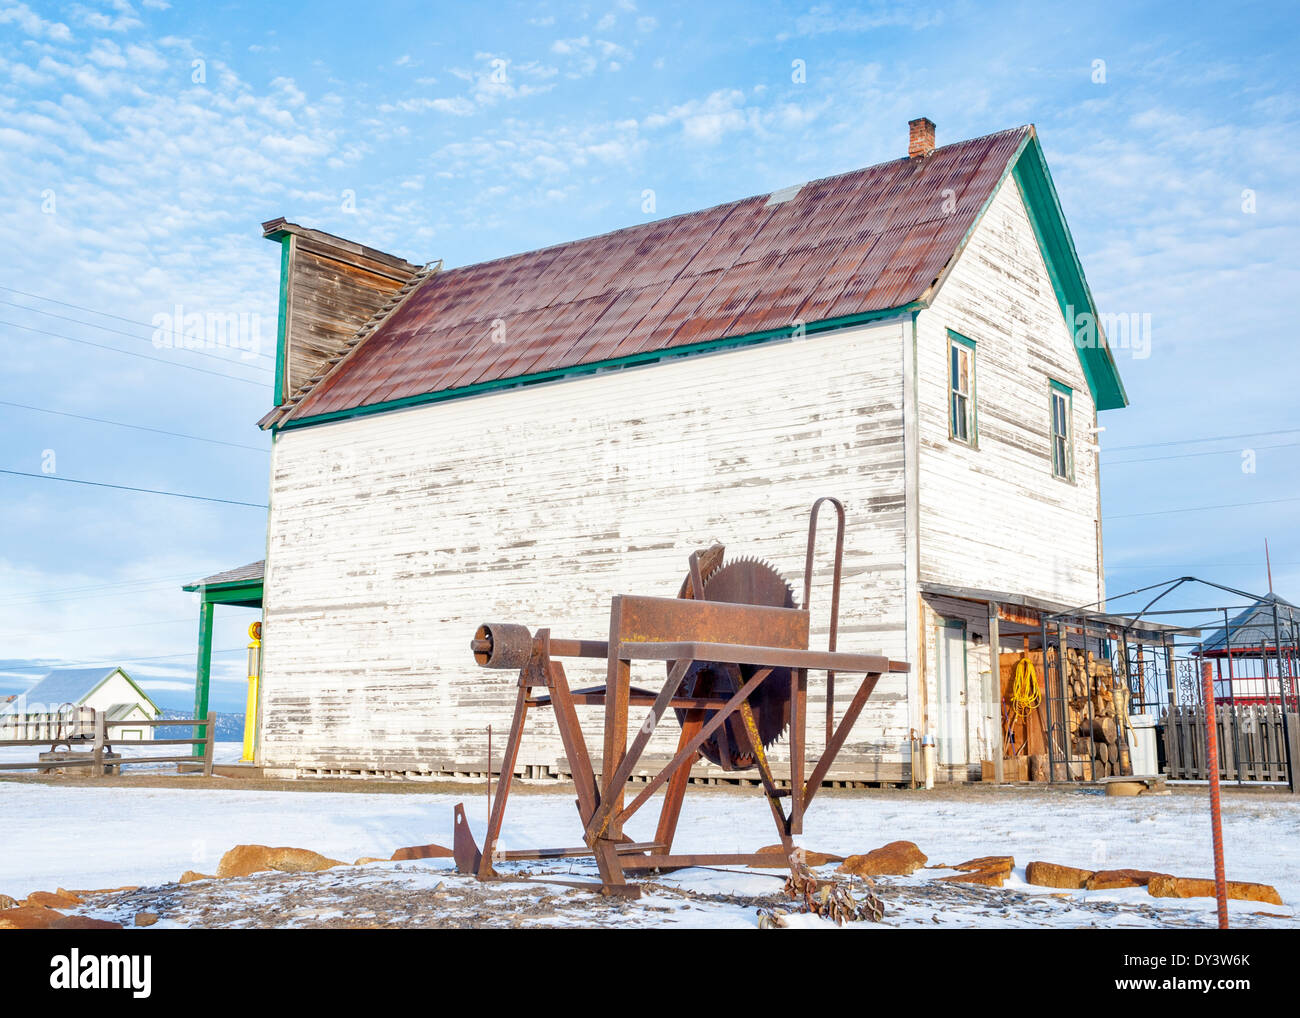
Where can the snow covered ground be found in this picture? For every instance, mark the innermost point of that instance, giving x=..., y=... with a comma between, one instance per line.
x=108, y=835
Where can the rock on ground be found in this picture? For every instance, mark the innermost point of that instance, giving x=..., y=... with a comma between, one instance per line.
x=242, y=860
x=897, y=859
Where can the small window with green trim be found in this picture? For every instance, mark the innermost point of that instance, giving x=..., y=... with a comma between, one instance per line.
x=961, y=388
x=1061, y=399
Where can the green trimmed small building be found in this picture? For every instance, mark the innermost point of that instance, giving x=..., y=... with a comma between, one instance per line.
x=110, y=690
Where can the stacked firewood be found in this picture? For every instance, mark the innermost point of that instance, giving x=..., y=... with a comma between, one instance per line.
x=1100, y=733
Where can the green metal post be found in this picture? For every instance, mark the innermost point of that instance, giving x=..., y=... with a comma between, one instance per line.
x=203, y=674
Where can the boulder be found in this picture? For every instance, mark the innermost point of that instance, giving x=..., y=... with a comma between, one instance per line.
x=7, y=902
x=242, y=860
x=1106, y=880
x=991, y=877
x=368, y=859
x=146, y=918
x=28, y=917
x=53, y=899
x=809, y=857
x=84, y=922
x=189, y=876
x=1050, y=874
x=897, y=859
x=986, y=862
x=1163, y=886
x=988, y=871
x=421, y=852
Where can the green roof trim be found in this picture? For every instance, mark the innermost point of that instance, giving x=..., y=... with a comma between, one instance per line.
x=130, y=681
x=1066, y=271
x=632, y=360
x=285, y=239
x=239, y=593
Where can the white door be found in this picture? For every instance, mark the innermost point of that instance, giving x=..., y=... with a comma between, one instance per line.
x=952, y=729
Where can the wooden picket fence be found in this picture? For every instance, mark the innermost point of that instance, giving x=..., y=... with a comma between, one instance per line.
x=1251, y=739
x=89, y=744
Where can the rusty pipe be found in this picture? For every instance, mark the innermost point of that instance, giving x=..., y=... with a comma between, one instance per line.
x=835, y=593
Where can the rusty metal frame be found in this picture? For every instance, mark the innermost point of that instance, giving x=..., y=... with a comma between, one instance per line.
x=680, y=631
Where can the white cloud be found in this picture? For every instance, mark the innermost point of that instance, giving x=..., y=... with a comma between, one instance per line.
x=33, y=24
x=123, y=20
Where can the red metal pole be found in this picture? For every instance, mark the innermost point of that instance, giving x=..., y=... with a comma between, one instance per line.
x=1216, y=816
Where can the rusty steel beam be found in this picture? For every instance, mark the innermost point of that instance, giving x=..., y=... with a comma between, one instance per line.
x=774, y=657
x=596, y=698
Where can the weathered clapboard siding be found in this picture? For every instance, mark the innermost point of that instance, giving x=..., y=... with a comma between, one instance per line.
x=994, y=517
x=392, y=536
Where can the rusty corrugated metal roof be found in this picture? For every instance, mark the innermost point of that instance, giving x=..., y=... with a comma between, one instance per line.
x=865, y=241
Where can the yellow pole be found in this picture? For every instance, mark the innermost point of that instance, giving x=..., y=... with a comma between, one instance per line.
x=250, y=708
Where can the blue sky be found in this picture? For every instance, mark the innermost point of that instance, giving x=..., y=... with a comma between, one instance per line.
x=142, y=144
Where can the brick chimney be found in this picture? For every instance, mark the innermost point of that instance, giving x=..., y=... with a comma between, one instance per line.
x=920, y=137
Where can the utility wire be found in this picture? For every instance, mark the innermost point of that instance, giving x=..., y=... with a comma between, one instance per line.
x=133, y=353
x=82, y=307
x=1189, y=455
x=97, y=629
x=136, y=427
x=118, y=591
x=1204, y=508
x=128, y=335
x=1209, y=438
x=134, y=660
x=1199, y=565
x=127, y=487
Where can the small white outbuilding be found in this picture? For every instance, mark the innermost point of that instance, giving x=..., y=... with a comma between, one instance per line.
x=109, y=690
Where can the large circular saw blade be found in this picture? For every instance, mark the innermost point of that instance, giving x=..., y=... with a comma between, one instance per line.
x=742, y=581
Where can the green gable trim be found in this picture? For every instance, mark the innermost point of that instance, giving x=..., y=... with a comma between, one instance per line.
x=632, y=360
x=130, y=681
x=286, y=245
x=1066, y=272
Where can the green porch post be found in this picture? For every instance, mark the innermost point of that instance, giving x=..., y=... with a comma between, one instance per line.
x=203, y=674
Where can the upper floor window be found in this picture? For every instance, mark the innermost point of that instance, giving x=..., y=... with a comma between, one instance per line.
x=961, y=388
x=1062, y=405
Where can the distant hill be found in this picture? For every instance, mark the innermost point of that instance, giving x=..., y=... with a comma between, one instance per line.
x=230, y=726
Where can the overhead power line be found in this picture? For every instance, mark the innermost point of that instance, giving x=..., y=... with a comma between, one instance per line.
x=97, y=629
x=105, y=590
x=1195, y=441
x=133, y=353
x=1204, y=508
x=127, y=487
x=129, y=335
x=134, y=660
x=136, y=427
x=1189, y=455
x=82, y=307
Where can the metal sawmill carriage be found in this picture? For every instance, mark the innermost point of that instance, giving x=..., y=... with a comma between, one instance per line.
x=735, y=647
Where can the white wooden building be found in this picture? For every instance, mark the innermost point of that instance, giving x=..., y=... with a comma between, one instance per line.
x=109, y=690
x=522, y=439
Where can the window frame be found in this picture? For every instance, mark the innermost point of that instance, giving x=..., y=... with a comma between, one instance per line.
x=959, y=342
x=1060, y=390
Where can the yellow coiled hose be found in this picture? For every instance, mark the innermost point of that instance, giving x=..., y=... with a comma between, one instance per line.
x=1026, y=692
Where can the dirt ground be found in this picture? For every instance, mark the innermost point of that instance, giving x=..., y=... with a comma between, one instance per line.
x=956, y=793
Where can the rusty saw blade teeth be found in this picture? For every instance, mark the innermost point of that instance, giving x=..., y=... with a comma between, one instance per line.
x=747, y=580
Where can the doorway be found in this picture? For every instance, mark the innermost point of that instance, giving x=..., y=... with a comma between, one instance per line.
x=953, y=728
